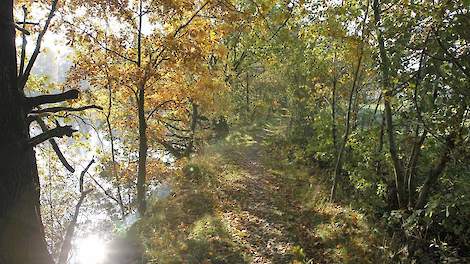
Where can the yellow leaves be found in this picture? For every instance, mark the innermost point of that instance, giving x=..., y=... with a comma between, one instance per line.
x=213, y=35
x=106, y=55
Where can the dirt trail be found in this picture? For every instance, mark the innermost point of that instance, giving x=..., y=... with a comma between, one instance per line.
x=270, y=221
x=258, y=213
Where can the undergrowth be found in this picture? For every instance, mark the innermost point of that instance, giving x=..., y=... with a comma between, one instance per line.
x=189, y=225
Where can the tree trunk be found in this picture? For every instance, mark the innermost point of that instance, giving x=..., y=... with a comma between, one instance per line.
x=435, y=171
x=339, y=158
x=411, y=169
x=21, y=230
x=143, y=147
x=333, y=110
x=70, y=232
x=247, y=97
x=378, y=163
x=194, y=121
x=113, y=152
x=385, y=68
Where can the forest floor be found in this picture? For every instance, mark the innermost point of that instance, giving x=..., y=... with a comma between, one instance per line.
x=261, y=216
x=237, y=203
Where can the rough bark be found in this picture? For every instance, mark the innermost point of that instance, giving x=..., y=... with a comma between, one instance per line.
x=21, y=230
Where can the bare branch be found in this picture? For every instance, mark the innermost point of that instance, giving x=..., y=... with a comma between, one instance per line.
x=22, y=30
x=32, y=102
x=24, y=76
x=65, y=109
x=67, y=242
x=111, y=137
x=59, y=131
x=175, y=151
x=54, y=145
x=173, y=126
x=27, y=23
x=106, y=192
x=23, y=43
x=159, y=106
x=82, y=175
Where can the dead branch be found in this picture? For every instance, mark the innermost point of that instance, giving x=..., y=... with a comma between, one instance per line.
x=160, y=106
x=32, y=102
x=54, y=145
x=105, y=191
x=25, y=75
x=23, y=43
x=59, y=131
x=67, y=242
x=82, y=174
x=65, y=109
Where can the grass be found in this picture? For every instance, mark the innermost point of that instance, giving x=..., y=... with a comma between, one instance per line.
x=220, y=213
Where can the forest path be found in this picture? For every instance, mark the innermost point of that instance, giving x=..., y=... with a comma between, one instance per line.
x=241, y=201
x=261, y=215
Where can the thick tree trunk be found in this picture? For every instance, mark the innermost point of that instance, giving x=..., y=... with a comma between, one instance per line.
x=21, y=230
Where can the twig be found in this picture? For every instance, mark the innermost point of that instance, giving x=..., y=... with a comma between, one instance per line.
x=65, y=109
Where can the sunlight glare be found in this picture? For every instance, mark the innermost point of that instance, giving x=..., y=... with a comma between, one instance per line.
x=91, y=250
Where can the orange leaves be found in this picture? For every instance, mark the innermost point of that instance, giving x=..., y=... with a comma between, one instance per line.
x=179, y=52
